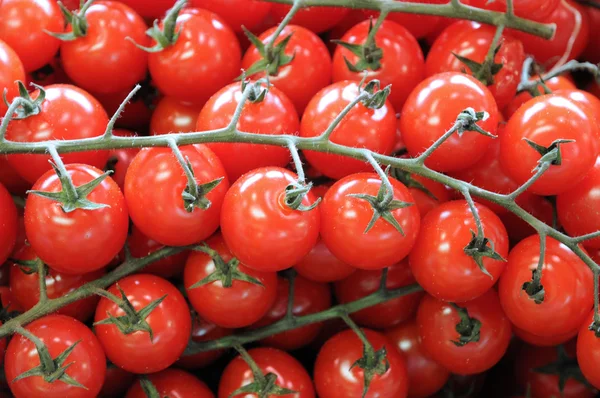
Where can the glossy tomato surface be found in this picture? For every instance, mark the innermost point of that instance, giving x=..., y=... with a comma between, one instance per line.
x=317, y=19
x=174, y=116
x=237, y=13
x=8, y=224
x=173, y=383
x=320, y=265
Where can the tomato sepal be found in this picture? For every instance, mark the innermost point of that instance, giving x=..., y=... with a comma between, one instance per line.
x=168, y=35
x=273, y=57
x=373, y=363
x=468, y=328
x=369, y=55
x=550, y=154
x=76, y=19
x=27, y=106
x=534, y=288
x=480, y=247
x=565, y=367
x=149, y=388
x=377, y=97
x=484, y=71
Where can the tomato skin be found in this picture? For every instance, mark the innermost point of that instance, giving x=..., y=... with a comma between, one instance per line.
x=554, y=84
x=588, y=352
x=274, y=115
x=170, y=322
x=173, y=225
x=517, y=228
x=362, y=283
x=218, y=304
x=418, y=25
x=136, y=114
x=591, y=52
x=58, y=332
x=174, y=116
x=237, y=13
x=425, y=376
x=11, y=70
x=203, y=330
x=81, y=241
x=205, y=39
x=437, y=327
x=567, y=283
x=583, y=98
x=334, y=378
x=173, y=383
x=317, y=19
x=320, y=265
x=149, y=9
x=423, y=121
x=424, y=202
x=260, y=229
x=8, y=224
x=140, y=246
x=311, y=63
x=402, y=65
x=116, y=382
x=544, y=119
x=10, y=179
x=543, y=341
x=60, y=118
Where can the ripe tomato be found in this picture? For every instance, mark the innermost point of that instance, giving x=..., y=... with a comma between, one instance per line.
x=567, y=284
x=321, y=266
x=81, y=241
x=418, y=25
x=174, y=116
x=120, y=159
x=543, y=341
x=363, y=283
x=290, y=373
x=591, y=53
x=423, y=120
x=260, y=229
x=438, y=327
x=537, y=10
x=583, y=98
x=335, y=376
x=140, y=246
x=275, y=114
x=10, y=179
x=8, y=224
x=554, y=84
x=149, y=9
x=428, y=194
x=11, y=70
x=170, y=321
x=425, y=376
x=588, y=352
x=402, y=64
x=204, y=39
x=60, y=118
x=172, y=224
x=363, y=127
x=345, y=218
x=543, y=120
x=311, y=63
x=317, y=19
x=237, y=13
x=86, y=363
x=203, y=330
x=173, y=383
x=116, y=382
x=239, y=305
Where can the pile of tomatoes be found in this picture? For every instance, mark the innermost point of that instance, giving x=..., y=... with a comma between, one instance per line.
x=489, y=319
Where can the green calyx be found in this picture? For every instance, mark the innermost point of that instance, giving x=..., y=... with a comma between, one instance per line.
x=295, y=194
x=273, y=57
x=369, y=55
x=468, y=119
x=409, y=181
x=149, y=389
x=485, y=71
x=565, y=368
x=373, y=363
x=550, y=154
x=258, y=90
x=534, y=288
x=194, y=196
x=168, y=35
x=468, y=329
x=377, y=96
x=76, y=19
x=263, y=387
x=29, y=267
x=479, y=248
x=27, y=105
x=595, y=327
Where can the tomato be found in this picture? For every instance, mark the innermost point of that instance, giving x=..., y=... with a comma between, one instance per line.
x=116, y=382
x=289, y=372
x=10, y=179
x=554, y=84
x=311, y=63
x=86, y=363
x=390, y=313
x=204, y=39
x=317, y=19
x=8, y=224
x=567, y=284
x=11, y=70
x=517, y=228
x=336, y=376
x=174, y=116
x=402, y=63
x=543, y=120
x=364, y=127
x=120, y=159
x=172, y=383
x=161, y=214
x=352, y=18
x=591, y=52
x=321, y=266
x=425, y=376
x=543, y=341
x=152, y=10
x=260, y=229
x=423, y=120
x=237, y=13
x=81, y=241
x=418, y=25
x=141, y=246
x=309, y=297
x=438, y=327
x=203, y=330
x=170, y=321
x=60, y=118
x=136, y=114
x=427, y=194
x=537, y=10
x=345, y=218
x=588, y=351
x=583, y=98
x=239, y=305
x=275, y=114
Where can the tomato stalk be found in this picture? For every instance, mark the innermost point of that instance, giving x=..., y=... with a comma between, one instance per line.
x=149, y=388
x=527, y=84
x=291, y=277
x=167, y=36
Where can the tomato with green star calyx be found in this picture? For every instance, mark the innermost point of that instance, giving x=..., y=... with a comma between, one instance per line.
x=8, y=224
x=237, y=13
x=317, y=19
x=320, y=265
x=173, y=116
x=172, y=383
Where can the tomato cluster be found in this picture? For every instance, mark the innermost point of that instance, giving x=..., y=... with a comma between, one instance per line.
x=231, y=237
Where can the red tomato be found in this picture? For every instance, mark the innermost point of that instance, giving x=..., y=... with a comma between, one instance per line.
x=174, y=116
x=362, y=127
x=311, y=63
x=345, y=218
x=588, y=352
x=290, y=373
x=204, y=39
x=173, y=224
x=215, y=302
x=423, y=120
x=173, y=383
x=352, y=18
x=11, y=70
x=428, y=194
x=141, y=246
x=203, y=330
x=554, y=84
x=8, y=224
x=321, y=266
x=418, y=25
x=60, y=118
x=170, y=321
x=149, y=9
x=81, y=241
x=543, y=341
x=116, y=382
x=363, y=283
x=583, y=98
x=86, y=363
x=237, y=13
x=567, y=284
x=120, y=159
x=10, y=179
x=425, y=376
x=543, y=120
x=591, y=53
x=317, y=19
x=438, y=327
x=260, y=229
x=136, y=114
x=335, y=376
x=517, y=228
x=402, y=64
x=537, y=10
x=275, y=114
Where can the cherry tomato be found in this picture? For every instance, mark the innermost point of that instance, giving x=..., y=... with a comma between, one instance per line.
x=428, y=194
x=170, y=321
x=402, y=64
x=8, y=224
x=438, y=327
x=239, y=305
x=173, y=383
x=317, y=19
x=543, y=341
x=567, y=284
x=591, y=53
x=10, y=179
x=588, y=352
x=345, y=218
x=86, y=363
x=161, y=214
x=258, y=226
x=11, y=70
x=553, y=84
x=237, y=13
x=537, y=10
x=321, y=266
x=174, y=116
x=141, y=246
x=60, y=118
x=116, y=382
x=583, y=98
x=275, y=114
x=149, y=9
x=203, y=330
x=423, y=120
x=335, y=376
x=418, y=25
x=120, y=159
